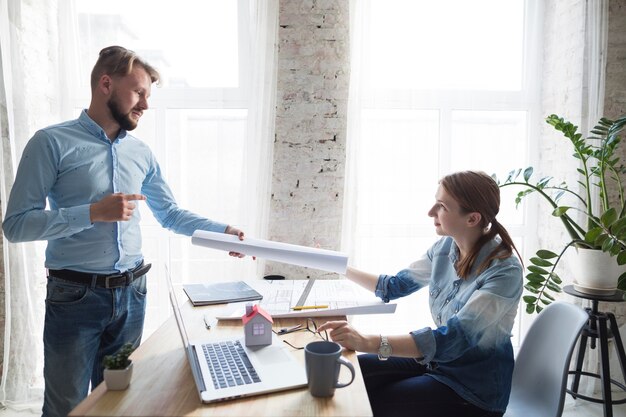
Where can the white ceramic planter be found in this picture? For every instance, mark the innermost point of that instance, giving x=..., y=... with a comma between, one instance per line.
x=595, y=272
x=118, y=379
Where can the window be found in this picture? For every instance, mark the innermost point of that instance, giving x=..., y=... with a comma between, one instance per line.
x=258, y=329
x=196, y=125
x=456, y=91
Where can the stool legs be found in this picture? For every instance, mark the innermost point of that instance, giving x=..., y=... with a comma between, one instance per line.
x=619, y=346
x=605, y=374
x=579, y=364
x=601, y=326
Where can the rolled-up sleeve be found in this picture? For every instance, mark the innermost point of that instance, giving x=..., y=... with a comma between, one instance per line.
x=405, y=282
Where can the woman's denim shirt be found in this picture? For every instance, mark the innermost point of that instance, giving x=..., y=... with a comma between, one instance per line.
x=470, y=351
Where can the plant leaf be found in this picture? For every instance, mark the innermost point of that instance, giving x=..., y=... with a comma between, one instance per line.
x=546, y=254
x=609, y=217
x=536, y=269
x=559, y=211
x=593, y=234
x=529, y=299
x=540, y=262
x=528, y=172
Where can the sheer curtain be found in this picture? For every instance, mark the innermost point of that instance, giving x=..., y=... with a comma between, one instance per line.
x=426, y=100
x=261, y=117
x=48, y=42
x=24, y=283
x=597, y=21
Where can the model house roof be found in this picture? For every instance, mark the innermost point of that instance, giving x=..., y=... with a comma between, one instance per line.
x=256, y=310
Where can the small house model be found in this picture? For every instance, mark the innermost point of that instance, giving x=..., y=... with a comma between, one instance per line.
x=257, y=325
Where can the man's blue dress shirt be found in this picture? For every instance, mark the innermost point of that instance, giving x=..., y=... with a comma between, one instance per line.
x=73, y=165
x=470, y=351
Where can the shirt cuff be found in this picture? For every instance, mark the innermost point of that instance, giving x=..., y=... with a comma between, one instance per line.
x=381, y=288
x=77, y=217
x=425, y=342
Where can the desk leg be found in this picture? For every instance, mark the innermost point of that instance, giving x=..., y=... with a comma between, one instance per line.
x=579, y=364
x=605, y=372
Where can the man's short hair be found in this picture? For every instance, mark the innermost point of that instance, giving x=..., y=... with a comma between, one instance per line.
x=119, y=61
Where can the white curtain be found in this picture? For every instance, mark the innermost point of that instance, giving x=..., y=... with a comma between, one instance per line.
x=23, y=107
x=261, y=117
x=597, y=21
x=29, y=39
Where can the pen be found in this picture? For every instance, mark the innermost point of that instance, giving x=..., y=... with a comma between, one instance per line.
x=208, y=322
x=308, y=307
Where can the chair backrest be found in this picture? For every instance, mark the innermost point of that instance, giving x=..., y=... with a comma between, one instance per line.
x=542, y=364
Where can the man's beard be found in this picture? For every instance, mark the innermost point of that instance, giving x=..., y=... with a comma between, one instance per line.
x=122, y=119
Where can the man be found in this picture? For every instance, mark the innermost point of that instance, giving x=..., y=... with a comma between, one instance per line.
x=92, y=171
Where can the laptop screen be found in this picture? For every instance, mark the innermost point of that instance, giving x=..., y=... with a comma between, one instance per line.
x=176, y=308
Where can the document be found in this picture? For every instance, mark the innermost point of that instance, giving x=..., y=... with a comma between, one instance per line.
x=323, y=259
x=220, y=293
x=316, y=298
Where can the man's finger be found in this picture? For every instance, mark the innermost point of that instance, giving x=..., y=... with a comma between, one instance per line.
x=132, y=197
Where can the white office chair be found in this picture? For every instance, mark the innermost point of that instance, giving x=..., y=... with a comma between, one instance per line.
x=542, y=364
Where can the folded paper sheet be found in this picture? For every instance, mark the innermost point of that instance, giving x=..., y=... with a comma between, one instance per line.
x=323, y=259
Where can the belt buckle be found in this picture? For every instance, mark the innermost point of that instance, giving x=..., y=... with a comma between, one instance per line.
x=107, y=282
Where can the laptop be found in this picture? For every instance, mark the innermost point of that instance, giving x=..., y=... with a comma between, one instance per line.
x=224, y=369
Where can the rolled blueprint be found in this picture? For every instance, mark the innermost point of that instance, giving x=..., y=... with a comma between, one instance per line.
x=323, y=259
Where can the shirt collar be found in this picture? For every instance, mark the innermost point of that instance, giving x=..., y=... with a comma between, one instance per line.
x=487, y=248
x=95, y=129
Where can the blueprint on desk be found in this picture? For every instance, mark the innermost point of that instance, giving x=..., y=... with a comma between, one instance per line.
x=339, y=296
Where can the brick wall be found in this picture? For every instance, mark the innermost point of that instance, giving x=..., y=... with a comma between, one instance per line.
x=309, y=149
x=614, y=106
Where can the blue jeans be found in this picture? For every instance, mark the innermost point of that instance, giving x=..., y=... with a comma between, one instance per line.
x=83, y=324
x=401, y=387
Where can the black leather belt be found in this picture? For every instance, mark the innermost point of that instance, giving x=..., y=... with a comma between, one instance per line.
x=123, y=279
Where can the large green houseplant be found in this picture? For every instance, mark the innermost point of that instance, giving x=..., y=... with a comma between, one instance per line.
x=599, y=169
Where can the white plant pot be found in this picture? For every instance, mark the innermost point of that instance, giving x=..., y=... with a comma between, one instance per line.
x=118, y=379
x=595, y=272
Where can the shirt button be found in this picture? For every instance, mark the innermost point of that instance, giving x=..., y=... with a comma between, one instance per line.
x=447, y=301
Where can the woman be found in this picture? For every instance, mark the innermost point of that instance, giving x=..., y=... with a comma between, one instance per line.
x=464, y=366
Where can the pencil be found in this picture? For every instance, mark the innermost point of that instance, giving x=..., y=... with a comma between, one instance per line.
x=308, y=307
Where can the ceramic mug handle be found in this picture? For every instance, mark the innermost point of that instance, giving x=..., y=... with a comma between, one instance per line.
x=347, y=363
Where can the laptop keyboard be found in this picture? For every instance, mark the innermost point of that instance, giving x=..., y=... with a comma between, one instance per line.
x=229, y=364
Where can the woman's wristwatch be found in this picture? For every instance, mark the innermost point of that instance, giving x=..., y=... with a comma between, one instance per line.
x=384, y=350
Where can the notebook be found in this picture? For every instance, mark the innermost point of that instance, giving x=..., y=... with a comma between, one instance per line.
x=220, y=292
x=255, y=370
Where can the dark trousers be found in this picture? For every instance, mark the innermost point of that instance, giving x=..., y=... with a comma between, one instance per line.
x=400, y=387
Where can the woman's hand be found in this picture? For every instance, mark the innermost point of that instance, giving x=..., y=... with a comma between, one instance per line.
x=344, y=334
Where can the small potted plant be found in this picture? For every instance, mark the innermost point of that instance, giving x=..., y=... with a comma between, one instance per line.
x=603, y=232
x=118, y=369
